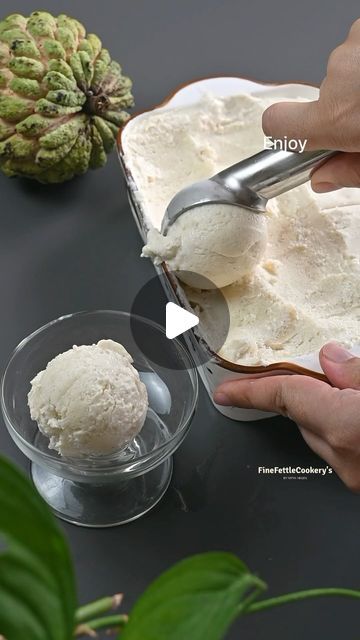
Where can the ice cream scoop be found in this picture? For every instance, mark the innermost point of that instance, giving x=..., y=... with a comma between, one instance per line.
x=209, y=248
x=216, y=228
x=248, y=184
x=89, y=400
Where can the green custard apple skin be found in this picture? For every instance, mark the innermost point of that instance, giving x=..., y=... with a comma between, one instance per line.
x=62, y=98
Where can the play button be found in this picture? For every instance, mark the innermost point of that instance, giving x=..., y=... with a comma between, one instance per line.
x=178, y=320
x=203, y=332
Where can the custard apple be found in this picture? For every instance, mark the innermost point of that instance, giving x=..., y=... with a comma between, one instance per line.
x=62, y=98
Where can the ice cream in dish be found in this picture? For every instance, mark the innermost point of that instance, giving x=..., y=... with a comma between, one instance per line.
x=305, y=288
x=89, y=400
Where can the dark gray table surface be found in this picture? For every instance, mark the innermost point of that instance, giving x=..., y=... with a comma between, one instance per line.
x=72, y=247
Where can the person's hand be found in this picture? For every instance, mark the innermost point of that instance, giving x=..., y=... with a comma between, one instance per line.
x=327, y=416
x=331, y=122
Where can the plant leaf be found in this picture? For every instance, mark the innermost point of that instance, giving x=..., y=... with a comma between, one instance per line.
x=37, y=586
x=197, y=599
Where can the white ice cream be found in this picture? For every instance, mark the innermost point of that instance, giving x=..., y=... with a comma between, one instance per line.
x=306, y=288
x=89, y=400
x=220, y=242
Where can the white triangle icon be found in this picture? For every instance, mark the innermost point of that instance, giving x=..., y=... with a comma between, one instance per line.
x=178, y=320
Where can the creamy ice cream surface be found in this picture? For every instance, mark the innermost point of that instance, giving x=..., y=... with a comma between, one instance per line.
x=89, y=400
x=220, y=242
x=306, y=290
x=303, y=288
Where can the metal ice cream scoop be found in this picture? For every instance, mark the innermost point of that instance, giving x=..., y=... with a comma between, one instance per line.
x=250, y=183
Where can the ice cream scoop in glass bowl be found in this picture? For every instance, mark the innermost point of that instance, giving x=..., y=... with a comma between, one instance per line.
x=99, y=490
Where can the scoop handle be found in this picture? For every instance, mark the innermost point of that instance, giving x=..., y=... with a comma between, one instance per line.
x=270, y=173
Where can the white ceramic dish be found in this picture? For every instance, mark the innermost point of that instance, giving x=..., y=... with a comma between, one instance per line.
x=217, y=369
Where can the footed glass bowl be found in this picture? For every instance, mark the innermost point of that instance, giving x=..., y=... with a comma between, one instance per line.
x=106, y=490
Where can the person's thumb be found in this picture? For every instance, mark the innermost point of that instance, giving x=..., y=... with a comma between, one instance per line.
x=297, y=121
x=340, y=366
x=343, y=170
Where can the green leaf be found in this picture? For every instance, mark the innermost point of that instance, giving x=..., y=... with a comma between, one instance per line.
x=198, y=599
x=37, y=587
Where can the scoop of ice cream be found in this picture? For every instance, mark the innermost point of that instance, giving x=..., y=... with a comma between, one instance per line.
x=89, y=400
x=219, y=242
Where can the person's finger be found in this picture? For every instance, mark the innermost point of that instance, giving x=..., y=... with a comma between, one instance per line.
x=343, y=170
x=348, y=473
x=354, y=32
x=312, y=403
x=319, y=446
x=299, y=121
x=340, y=366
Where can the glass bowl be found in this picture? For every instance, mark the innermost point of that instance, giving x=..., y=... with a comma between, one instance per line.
x=100, y=491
